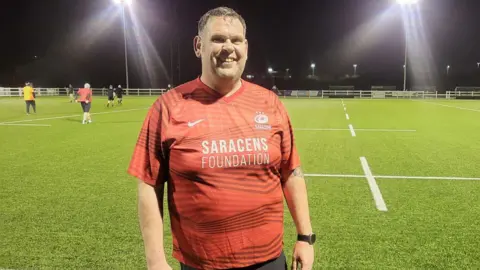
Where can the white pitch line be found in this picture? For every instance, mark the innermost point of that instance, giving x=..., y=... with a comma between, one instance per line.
x=25, y=125
x=334, y=175
x=347, y=116
x=450, y=106
x=70, y=116
x=345, y=109
x=455, y=178
x=386, y=130
x=352, y=131
x=429, y=177
x=357, y=129
x=377, y=195
x=321, y=129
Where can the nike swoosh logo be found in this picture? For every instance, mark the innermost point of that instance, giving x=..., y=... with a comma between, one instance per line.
x=192, y=124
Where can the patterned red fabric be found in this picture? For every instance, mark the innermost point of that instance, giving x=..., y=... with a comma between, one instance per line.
x=222, y=158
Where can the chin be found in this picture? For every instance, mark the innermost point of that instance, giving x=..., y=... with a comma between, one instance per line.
x=227, y=75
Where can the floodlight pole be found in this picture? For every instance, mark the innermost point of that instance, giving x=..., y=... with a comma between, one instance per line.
x=405, y=22
x=405, y=63
x=125, y=40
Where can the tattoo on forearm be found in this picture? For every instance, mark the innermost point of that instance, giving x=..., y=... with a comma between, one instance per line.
x=298, y=172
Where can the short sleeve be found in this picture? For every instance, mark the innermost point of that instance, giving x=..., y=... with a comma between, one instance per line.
x=148, y=162
x=290, y=157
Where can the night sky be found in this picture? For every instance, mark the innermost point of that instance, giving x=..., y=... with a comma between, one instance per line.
x=82, y=40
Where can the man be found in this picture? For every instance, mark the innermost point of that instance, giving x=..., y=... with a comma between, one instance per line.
x=226, y=149
x=110, y=92
x=29, y=97
x=119, y=93
x=85, y=99
x=71, y=93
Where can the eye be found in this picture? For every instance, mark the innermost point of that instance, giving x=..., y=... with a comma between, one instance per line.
x=217, y=39
x=237, y=41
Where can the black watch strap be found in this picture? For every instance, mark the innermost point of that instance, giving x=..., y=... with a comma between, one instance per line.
x=307, y=238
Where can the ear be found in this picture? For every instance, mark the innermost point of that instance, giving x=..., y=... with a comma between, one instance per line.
x=197, y=46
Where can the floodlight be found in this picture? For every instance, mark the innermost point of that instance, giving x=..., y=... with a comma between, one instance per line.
x=312, y=65
x=123, y=2
x=407, y=2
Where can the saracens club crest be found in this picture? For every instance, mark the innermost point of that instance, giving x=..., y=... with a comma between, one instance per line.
x=261, y=121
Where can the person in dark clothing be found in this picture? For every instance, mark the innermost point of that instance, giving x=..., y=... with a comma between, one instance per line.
x=110, y=96
x=119, y=93
x=71, y=93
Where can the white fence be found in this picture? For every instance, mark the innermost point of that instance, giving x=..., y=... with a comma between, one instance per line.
x=15, y=92
x=369, y=94
x=362, y=94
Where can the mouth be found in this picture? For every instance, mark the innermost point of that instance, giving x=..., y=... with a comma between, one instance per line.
x=228, y=60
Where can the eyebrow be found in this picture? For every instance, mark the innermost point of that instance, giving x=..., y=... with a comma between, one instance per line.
x=218, y=35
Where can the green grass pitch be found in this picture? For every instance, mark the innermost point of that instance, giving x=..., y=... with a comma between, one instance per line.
x=66, y=201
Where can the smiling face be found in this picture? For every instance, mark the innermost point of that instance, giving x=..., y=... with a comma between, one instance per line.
x=223, y=49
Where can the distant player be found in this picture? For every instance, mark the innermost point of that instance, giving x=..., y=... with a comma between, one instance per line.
x=29, y=97
x=71, y=93
x=111, y=98
x=85, y=99
x=119, y=93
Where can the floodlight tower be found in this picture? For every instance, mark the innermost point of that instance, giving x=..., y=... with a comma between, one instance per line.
x=124, y=4
x=312, y=66
x=406, y=3
x=271, y=72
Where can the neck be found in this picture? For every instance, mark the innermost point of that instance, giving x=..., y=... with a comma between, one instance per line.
x=224, y=87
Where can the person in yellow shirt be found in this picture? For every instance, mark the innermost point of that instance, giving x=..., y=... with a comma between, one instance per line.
x=29, y=97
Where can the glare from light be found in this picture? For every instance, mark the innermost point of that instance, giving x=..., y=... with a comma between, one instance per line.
x=407, y=2
x=355, y=65
x=123, y=2
x=312, y=65
x=270, y=70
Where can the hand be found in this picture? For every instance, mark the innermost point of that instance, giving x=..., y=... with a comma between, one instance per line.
x=303, y=254
x=86, y=101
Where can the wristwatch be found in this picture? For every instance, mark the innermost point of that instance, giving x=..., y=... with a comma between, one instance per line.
x=307, y=238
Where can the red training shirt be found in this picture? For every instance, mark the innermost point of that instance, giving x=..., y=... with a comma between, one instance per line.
x=84, y=94
x=222, y=158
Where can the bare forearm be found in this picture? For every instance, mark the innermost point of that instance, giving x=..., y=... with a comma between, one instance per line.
x=295, y=191
x=151, y=224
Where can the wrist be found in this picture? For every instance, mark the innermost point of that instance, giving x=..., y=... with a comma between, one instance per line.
x=307, y=238
x=305, y=230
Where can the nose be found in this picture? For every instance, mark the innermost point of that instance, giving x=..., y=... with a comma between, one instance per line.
x=228, y=46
